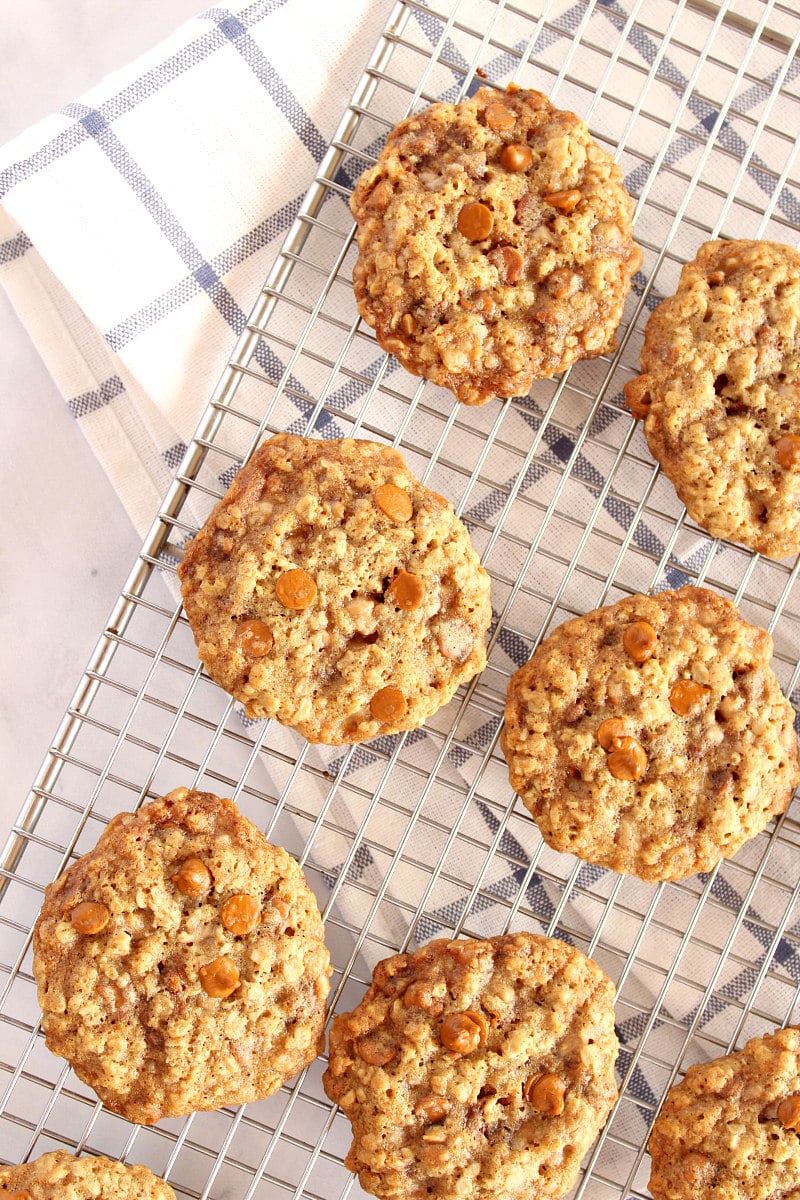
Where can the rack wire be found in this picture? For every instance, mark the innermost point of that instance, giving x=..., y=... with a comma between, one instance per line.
x=419, y=835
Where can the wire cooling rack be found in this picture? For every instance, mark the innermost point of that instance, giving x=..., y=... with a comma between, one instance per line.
x=420, y=835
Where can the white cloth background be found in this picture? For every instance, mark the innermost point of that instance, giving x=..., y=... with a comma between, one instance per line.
x=137, y=224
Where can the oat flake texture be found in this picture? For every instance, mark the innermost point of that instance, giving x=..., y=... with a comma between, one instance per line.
x=494, y=243
x=371, y=651
x=719, y=1134
x=432, y=1122
x=720, y=392
x=61, y=1176
x=713, y=776
x=126, y=1005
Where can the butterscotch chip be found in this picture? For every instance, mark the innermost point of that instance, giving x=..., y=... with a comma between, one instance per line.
x=418, y=992
x=192, y=877
x=640, y=641
x=687, y=696
x=89, y=917
x=499, y=117
x=789, y=1112
x=432, y=1108
x=475, y=221
x=618, y=769
x=546, y=1093
x=610, y=731
x=295, y=589
x=627, y=759
x=515, y=157
x=453, y=185
x=395, y=502
x=462, y=1033
x=787, y=451
x=61, y=1176
x=720, y=391
x=240, y=914
x=167, y=1010
x=444, y=1120
x=219, y=978
x=255, y=638
x=388, y=705
x=565, y=200
x=401, y=603
x=720, y=1130
x=406, y=590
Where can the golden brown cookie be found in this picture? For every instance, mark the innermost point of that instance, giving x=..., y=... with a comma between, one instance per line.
x=476, y=1068
x=720, y=392
x=180, y=965
x=331, y=590
x=651, y=736
x=61, y=1176
x=730, y=1128
x=494, y=243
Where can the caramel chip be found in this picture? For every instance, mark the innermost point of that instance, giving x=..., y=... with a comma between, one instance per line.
x=219, y=978
x=475, y=221
x=193, y=877
x=89, y=917
x=405, y=591
x=295, y=589
x=240, y=914
x=389, y=704
x=394, y=502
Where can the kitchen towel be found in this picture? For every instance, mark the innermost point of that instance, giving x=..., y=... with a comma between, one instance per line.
x=138, y=224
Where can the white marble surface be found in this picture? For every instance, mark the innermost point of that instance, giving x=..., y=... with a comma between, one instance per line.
x=67, y=544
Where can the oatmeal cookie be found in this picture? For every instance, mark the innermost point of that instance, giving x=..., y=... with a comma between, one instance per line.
x=729, y=1129
x=61, y=1176
x=720, y=392
x=494, y=243
x=478, y=1069
x=331, y=590
x=651, y=736
x=180, y=964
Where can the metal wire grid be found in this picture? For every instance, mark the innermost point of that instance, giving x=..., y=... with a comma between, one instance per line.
x=412, y=836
